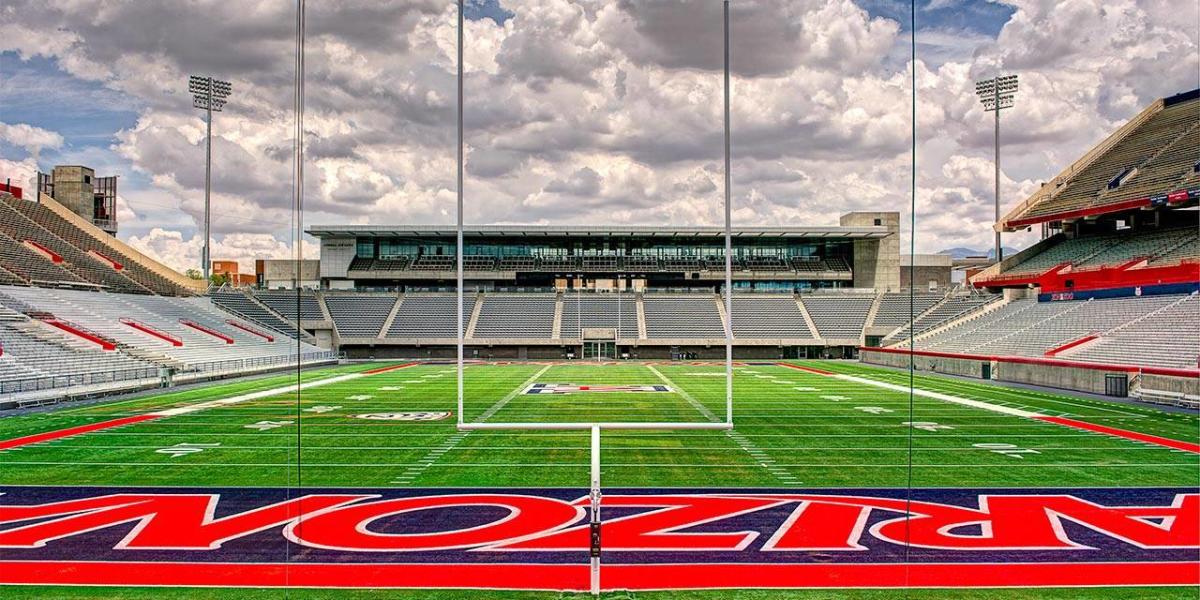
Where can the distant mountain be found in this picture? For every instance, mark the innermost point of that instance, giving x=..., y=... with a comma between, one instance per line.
x=965, y=252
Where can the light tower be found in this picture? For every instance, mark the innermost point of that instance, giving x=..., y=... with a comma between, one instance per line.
x=997, y=94
x=209, y=95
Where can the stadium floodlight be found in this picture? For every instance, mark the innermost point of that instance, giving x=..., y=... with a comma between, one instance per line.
x=997, y=94
x=209, y=95
x=595, y=428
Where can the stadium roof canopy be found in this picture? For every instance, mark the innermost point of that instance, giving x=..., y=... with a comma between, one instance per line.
x=1147, y=164
x=544, y=231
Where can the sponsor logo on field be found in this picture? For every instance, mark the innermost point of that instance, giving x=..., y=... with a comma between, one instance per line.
x=405, y=416
x=539, y=538
x=574, y=388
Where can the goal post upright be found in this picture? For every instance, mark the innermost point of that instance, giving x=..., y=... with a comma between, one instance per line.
x=458, y=228
x=728, y=229
x=595, y=428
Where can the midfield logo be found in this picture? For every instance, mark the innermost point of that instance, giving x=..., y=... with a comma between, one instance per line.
x=574, y=388
x=650, y=540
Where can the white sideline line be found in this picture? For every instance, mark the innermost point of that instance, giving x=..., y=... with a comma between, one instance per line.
x=183, y=410
x=1016, y=412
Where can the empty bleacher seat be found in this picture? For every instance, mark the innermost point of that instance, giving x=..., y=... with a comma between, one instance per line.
x=429, y=316
x=770, y=317
x=583, y=310
x=839, y=316
x=515, y=316
x=359, y=315
x=682, y=317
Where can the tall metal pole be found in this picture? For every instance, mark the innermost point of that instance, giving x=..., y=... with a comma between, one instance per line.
x=728, y=239
x=459, y=215
x=996, y=99
x=208, y=187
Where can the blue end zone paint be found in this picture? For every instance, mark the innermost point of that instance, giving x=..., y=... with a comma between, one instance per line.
x=1147, y=508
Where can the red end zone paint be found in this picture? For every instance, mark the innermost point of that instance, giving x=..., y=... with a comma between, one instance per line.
x=62, y=433
x=639, y=577
x=805, y=369
x=390, y=368
x=1123, y=433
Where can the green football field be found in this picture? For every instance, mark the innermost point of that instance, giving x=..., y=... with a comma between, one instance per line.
x=793, y=429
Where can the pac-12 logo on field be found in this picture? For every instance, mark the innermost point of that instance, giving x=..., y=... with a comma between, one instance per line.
x=574, y=388
x=406, y=416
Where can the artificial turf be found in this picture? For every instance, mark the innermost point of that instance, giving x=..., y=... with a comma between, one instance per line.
x=793, y=429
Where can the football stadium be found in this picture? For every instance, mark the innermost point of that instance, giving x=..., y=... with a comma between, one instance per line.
x=540, y=406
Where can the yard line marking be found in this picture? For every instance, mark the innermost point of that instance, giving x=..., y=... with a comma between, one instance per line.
x=745, y=444
x=1016, y=412
x=171, y=412
x=438, y=452
x=703, y=410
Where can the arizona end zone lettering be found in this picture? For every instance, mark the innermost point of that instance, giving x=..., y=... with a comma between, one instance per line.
x=539, y=539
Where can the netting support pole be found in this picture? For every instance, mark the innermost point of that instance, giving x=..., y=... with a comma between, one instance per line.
x=594, y=524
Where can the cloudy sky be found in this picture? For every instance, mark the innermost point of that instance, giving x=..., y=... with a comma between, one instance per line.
x=587, y=111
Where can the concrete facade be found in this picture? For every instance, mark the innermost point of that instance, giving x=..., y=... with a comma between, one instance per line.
x=928, y=271
x=876, y=262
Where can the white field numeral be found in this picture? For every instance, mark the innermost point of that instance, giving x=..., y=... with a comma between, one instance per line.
x=185, y=448
x=265, y=425
x=1006, y=449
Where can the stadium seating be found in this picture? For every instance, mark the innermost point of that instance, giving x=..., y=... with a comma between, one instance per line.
x=517, y=263
x=641, y=263
x=398, y=263
x=1151, y=140
x=582, y=310
x=682, y=317
x=284, y=303
x=479, y=263
x=953, y=308
x=359, y=315
x=599, y=263
x=18, y=227
x=516, y=316
x=238, y=302
x=765, y=263
x=768, y=317
x=896, y=308
x=1189, y=249
x=683, y=263
x=428, y=316
x=1027, y=327
x=131, y=269
x=1140, y=245
x=139, y=326
x=1167, y=246
x=432, y=262
x=103, y=314
x=1167, y=338
x=30, y=267
x=839, y=316
x=559, y=263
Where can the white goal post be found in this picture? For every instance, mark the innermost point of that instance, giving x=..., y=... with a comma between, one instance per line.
x=596, y=427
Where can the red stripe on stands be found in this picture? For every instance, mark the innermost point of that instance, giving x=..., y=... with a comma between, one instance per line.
x=72, y=431
x=806, y=369
x=1123, y=433
x=389, y=368
x=566, y=577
